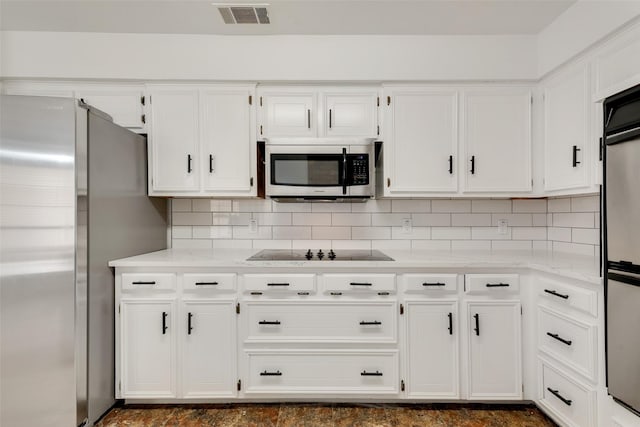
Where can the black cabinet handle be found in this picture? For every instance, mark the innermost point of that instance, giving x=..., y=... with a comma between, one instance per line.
x=556, y=294
x=271, y=374
x=210, y=163
x=557, y=337
x=473, y=165
x=164, y=322
x=559, y=396
x=141, y=282
x=277, y=284
x=189, y=325
x=375, y=322
x=303, y=293
x=329, y=118
x=434, y=284
x=451, y=165
x=336, y=293
x=477, y=328
x=497, y=285
x=575, y=156
x=371, y=374
x=360, y=284
x=450, y=316
x=269, y=322
x=206, y=283
x=308, y=119
x=189, y=159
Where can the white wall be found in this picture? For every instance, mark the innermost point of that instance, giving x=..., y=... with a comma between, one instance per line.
x=210, y=57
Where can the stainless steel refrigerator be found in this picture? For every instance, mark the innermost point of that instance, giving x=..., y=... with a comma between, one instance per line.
x=73, y=196
x=621, y=228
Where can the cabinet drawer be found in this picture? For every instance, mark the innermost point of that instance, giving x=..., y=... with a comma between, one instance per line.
x=323, y=372
x=132, y=281
x=569, y=340
x=359, y=282
x=491, y=283
x=279, y=282
x=209, y=282
x=571, y=402
x=420, y=283
x=563, y=295
x=321, y=322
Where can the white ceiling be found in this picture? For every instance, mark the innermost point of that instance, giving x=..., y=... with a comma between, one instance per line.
x=429, y=17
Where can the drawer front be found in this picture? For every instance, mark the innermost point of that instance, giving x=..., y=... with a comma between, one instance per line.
x=491, y=283
x=321, y=322
x=209, y=282
x=563, y=295
x=139, y=281
x=279, y=282
x=571, y=341
x=359, y=283
x=324, y=372
x=571, y=402
x=421, y=283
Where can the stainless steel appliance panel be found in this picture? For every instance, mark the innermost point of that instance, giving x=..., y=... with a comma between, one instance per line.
x=623, y=350
x=37, y=265
x=623, y=202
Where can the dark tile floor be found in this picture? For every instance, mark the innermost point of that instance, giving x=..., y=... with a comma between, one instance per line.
x=334, y=415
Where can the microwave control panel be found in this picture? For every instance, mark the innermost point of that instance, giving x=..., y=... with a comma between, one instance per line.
x=358, y=169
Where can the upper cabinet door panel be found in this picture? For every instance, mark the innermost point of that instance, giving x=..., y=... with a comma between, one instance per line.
x=351, y=114
x=497, y=140
x=288, y=114
x=123, y=104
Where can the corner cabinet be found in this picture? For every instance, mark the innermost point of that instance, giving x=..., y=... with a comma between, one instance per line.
x=202, y=141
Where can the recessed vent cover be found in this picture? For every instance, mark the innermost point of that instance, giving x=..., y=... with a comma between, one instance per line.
x=244, y=15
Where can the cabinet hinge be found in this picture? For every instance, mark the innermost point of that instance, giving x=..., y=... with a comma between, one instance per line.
x=250, y=99
x=378, y=101
x=388, y=182
x=142, y=100
x=251, y=182
x=532, y=182
x=402, y=385
x=388, y=100
x=118, y=308
x=521, y=312
x=531, y=99
x=401, y=308
x=261, y=101
x=378, y=129
x=260, y=129
x=239, y=385
x=238, y=308
x=143, y=118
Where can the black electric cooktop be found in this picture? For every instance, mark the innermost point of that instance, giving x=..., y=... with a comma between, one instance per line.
x=319, y=255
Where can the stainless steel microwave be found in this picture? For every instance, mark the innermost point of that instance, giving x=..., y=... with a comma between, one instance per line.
x=319, y=170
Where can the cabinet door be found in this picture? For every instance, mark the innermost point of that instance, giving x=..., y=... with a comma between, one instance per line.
x=173, y=147
x=124, y=104
x=495, y=370
x=496, y=131
x=288, y=114
x=209, y=349
x=351, y=114
x=566, y=131
x=432, y=349
x=228, y=145
x=421, y=140
x=148, y=348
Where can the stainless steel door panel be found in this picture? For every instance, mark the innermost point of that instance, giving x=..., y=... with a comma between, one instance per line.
x=623, y=202
x=623, y=342
x=37, y=292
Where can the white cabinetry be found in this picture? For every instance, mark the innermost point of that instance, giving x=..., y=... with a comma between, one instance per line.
x=202, y=141
x=350, y=114
x=288, y=113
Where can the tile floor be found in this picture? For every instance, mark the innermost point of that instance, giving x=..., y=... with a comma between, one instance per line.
x=333, y=415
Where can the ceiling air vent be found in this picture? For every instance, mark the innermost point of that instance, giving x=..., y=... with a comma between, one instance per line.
x=244, y=15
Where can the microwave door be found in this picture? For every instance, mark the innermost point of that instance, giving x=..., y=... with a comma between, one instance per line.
x=293, y=174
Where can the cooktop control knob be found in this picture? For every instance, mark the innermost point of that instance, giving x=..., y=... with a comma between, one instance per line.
x=332, y=255
x=309, y=254
x=320, y=254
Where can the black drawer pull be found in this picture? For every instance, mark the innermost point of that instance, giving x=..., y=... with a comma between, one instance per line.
x=269, y=322
x=556, y=294
x=477, y=328
x=141, y=282
x=375, y=322
x=371, y=374
x=303, y=293
x=189, y=325
x=450, y=315
x=497, y=285
x=189, y=159
x=383, y=293
x=434, y=284
x=559, y=396
x=206, y=283
x=557, y=337
x=360, y=284
x=336, y=293
x=271, y=374
x=164, y=322
x=574, y=152
x=277, y=284
x=256, y=293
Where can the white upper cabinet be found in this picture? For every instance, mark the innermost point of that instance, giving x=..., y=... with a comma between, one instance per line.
x=318, y=111
x=125, y=104
x=567, y=124
x=496, y=134
x=420, y=141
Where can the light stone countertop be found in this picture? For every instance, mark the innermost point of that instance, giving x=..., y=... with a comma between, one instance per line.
x=577, y=267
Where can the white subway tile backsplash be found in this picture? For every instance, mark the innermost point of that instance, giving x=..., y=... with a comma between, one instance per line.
x=585, y=204
x=529, y=233
x=370, y=233
x=559, y=205
x=431, y=220
x=181, y=205
x=311, y=219
x=431, y=245
x=192, y=244
x=373, y=206
x=470, y=245
x=411, y=206
x=191, y=218
x=514, y=220
x=529, y=206
x=181, y=232
x=232, y=244
x=470, y=220
x=489, y=206
x=542, y=245
x=388, y=219
x=351, y=244
x=291, y=233
x=539, y=219
x=582, y=220
x=290, y=207
x=211, y=205
x=314, y=245
x=574, y=248
x=590, y=236
x=213, y=232
x=415, y=233
x=489, y=233
x=252, y=205
x=511, y=245
x=331, y=207
x=451, y=233
x=244, y=232
x=348, y=219
x=272, y=244
x=331, y=233
x=559, y=234
x=272, y=218
x=451, y=206
x=398, y=245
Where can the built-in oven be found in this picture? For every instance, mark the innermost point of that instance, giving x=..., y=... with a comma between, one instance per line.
x=324, y=170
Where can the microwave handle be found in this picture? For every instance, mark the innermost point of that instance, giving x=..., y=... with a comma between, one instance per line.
x=344, y=171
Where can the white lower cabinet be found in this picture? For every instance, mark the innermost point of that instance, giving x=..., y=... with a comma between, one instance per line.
x=494, y=343
x=432, y=349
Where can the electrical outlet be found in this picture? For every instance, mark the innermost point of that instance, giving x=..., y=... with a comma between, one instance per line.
x=503, y=226
x=253, y=226
x=406, y=225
